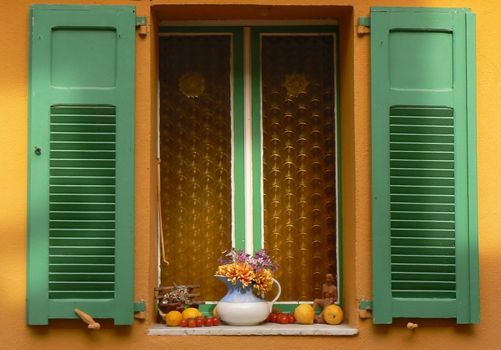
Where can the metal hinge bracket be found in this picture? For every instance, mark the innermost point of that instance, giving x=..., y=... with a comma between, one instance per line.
x=365, y=304
x=142, y=24
x=141, y=21
x=364, y=25
x=365, y=308
x=140, y=310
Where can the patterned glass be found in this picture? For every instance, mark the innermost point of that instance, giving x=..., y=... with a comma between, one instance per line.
x=299, y=160
x=195, y=148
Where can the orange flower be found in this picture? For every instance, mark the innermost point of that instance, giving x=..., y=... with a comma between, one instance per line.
x=224, y=270
x=263, y=281
x=245, y=273
x=235, y=272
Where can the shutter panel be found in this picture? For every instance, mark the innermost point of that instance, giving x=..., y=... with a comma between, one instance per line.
x=81, y=168
x=425, y=259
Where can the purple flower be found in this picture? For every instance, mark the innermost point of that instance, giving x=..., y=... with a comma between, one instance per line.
x=260, y=260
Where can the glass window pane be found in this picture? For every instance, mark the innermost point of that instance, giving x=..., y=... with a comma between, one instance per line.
x=195, y=148
x=299, y=160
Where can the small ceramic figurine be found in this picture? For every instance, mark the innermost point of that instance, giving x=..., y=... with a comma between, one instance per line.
x=329, y=295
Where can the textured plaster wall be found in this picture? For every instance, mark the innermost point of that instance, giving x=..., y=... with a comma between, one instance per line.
x=432, y=334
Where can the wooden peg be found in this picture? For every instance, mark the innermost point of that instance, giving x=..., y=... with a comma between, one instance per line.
x=363, y=30
x=88, y=319
x=143, y=30
x=362, y=313
x=412, y=326
x=141, y=315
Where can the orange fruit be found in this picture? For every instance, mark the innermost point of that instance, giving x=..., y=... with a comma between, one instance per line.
x=191, y=312
x=173, y=318
x=304, y=314
x=333, y=314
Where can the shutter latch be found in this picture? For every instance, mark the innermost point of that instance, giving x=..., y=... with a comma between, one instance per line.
x=88, y=319
x=364, y=25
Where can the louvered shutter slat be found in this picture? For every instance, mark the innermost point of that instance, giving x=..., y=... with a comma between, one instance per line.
x=422, y=156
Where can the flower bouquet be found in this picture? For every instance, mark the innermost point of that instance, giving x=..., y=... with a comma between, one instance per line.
x=248, y=278
x=256, y=270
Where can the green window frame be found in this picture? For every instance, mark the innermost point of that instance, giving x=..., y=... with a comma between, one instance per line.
x=81, y=163
x=424, y=182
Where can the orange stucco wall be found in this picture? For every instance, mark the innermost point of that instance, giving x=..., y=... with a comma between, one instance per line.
x=432, y=334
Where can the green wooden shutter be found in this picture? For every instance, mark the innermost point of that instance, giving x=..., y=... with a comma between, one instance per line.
x=81, y=162
x=424, y=210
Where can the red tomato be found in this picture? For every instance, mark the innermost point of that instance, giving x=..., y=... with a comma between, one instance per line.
x=273, y=317
x=215, y=321
x=199, y=322
x=192, y=323
x=184, y=323
x=283, y=319
x=208, y=322
x=291, y=318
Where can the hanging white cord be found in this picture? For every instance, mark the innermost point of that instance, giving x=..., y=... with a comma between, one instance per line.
x=160, y=220
x=159, y=191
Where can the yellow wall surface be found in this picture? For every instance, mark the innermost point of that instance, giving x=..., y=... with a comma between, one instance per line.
x=355, y=124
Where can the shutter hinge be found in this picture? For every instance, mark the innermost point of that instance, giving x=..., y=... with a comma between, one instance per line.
x=142, y=24
x=364, y=25
x=140, y=310
x=365, y=308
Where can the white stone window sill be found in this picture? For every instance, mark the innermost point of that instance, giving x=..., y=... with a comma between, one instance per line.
x=263, y=329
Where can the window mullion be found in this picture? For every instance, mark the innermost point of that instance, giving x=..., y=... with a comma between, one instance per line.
x=248, y=145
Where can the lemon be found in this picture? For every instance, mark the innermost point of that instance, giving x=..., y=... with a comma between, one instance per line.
x=333, y=314
x=214, y=312
x=173, y=318
x=304, y=314
x=191, y=312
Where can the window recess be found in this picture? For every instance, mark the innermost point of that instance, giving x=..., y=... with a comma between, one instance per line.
x=263, y=112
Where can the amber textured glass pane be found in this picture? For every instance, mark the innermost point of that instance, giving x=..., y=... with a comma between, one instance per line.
x=195, y=148
x=299, y=160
